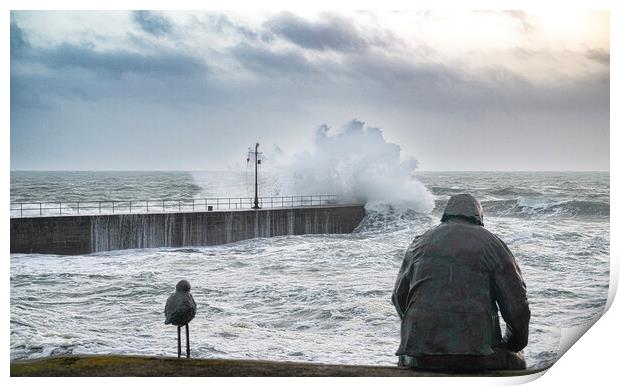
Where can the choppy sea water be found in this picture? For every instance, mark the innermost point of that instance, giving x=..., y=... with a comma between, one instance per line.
x=320, y=298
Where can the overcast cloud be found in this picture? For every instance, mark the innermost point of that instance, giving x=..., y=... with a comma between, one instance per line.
x=175, y=90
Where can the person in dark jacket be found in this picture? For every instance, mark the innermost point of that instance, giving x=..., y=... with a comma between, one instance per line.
x=447, y=293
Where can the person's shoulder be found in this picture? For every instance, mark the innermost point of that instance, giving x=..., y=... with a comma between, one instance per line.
x=487, y=238
x=500, y=247
x=424, y=235
x=476, y=231
x=416, y=242
x=497, y=239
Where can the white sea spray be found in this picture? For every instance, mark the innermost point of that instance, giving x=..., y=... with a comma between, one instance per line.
x=359, y=165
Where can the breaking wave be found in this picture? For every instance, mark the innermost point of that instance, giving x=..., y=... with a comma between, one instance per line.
x=539, y=207
x=359, y=165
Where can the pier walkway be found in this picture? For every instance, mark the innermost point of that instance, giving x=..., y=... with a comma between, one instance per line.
x=145, y=206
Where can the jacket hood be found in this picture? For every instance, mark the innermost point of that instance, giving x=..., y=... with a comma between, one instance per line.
x=464, y=206
x=183, y=286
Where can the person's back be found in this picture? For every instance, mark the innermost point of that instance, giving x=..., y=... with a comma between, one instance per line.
x=447, y=292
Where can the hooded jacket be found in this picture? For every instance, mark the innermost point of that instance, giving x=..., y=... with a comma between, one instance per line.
x=451, y=282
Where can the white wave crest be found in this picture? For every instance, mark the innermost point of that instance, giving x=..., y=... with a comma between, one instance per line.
x=358, y=165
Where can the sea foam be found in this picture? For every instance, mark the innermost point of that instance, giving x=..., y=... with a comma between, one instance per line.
x=357, y=164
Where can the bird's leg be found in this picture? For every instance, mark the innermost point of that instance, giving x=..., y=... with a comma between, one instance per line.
x=187, y=339
x=179, y=341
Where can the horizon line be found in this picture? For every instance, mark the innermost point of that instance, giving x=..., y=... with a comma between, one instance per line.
x=230, y=169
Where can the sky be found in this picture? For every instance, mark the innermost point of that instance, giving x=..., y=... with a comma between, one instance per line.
x=456, y=90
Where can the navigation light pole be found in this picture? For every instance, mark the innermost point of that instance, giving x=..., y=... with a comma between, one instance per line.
x=256, y=162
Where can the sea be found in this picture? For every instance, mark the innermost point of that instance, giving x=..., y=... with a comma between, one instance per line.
x=311, y=298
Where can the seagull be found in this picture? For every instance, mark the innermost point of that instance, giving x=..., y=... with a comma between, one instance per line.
x=180, y=310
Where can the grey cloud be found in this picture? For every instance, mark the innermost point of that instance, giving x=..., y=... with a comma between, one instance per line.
x=447, y=90
x=322, y=131
x=117, y=63
x=394, y=71
x=18, y=40
x=25, y=97
x=41, y=76
x=152, y=23
x=333, y=33
x=432, y=87
x=600, y=56
x=268, y=62
x=222, y=23
x=293, y=88
x=558, y=57
x=53, y=89
x=161, y=62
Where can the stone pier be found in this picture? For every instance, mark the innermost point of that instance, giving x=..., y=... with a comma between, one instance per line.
x=71, y=235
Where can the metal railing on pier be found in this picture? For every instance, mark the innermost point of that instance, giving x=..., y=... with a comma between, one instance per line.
x=106, y=207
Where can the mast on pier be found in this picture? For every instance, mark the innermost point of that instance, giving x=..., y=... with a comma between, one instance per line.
x=256, y=155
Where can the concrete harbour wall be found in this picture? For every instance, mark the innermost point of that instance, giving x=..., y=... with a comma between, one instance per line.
x=70, y=235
